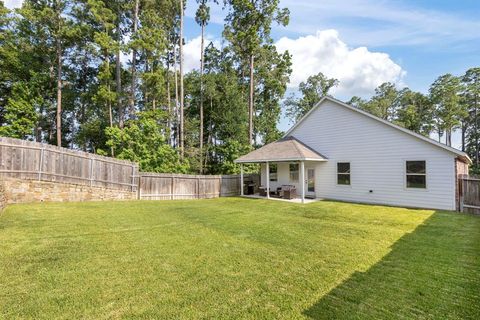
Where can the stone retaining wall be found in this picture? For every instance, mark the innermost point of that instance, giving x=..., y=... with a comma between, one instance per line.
x=24, y=191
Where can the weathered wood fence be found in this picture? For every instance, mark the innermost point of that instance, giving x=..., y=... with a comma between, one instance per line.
x=36, y=161
x=164, y=186
x=31, y=160
x=470, y=195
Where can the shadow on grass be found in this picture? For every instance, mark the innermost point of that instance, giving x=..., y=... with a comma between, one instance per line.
x=429, y=273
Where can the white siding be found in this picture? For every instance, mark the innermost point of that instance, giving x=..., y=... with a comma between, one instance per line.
x=377, y=153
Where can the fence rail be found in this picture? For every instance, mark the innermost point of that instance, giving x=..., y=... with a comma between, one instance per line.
x=470, y=195
x=37, y=161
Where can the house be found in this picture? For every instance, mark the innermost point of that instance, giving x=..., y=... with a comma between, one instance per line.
x=340, y=152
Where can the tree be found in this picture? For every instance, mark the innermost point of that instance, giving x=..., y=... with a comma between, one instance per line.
x=414, y=111
x=449, y=112
x=105, y=42
x=20, y=115
x=133, y=85
x=471, y=100
x=382, y=103
x=202, y=16
x=143, y=141
x=182, y=97
x=312, y=90
x=248, y=26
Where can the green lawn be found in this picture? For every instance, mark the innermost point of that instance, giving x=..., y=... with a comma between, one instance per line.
x=237, y=258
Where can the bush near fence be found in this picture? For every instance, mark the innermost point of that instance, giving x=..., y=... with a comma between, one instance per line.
x=27, y=160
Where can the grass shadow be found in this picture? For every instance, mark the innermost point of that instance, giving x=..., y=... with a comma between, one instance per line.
x=431, y=272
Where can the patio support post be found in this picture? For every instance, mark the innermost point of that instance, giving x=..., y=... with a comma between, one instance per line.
x=267, y=176
x=241, y=179
x=302, y=181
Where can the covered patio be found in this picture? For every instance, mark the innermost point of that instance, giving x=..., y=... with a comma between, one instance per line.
x=288, y=151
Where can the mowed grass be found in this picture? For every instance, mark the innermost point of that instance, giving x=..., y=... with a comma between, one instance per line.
x=233, y=258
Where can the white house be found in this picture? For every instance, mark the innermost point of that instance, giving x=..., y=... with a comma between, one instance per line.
x=343, y=153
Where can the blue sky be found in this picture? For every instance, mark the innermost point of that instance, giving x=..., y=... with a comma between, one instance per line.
x=365, y=42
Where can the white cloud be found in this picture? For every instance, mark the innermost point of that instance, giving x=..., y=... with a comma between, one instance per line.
x=191, y=52
x=386, y=22
x=12, y=4
x=358, y=70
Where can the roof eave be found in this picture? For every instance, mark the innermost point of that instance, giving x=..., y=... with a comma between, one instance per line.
x=278, y=160
x=414, y=134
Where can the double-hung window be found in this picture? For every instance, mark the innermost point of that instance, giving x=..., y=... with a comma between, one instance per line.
x=416, y=174
x=294, y=172
x=343, y=173
x=273, y=172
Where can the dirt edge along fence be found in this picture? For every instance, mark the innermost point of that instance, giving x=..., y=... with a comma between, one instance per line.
x=27, y=160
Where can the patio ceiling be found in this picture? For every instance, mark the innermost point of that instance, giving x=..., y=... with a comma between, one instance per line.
x=286, y=149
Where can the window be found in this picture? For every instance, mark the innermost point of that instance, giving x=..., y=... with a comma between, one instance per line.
x=273, y=172
x=416, y=172
x=293, y=172
x=343, y=173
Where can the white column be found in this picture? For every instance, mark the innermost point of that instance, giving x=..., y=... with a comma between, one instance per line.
x=241, y=179
x=302, y=181
x=267, y=175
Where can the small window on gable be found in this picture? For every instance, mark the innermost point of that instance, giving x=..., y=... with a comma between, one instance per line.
x=294, y=172
x=273, y=172
x=416, y=174
x=343, y=173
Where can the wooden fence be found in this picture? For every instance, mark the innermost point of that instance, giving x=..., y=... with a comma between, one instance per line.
x=36, y=161
x=31, y=160
x=166, y=186
x=470, y=195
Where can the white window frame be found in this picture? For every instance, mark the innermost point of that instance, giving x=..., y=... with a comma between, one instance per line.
x=405, y=175
x=337, y=173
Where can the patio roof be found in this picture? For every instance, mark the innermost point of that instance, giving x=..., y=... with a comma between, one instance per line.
x=286, y=149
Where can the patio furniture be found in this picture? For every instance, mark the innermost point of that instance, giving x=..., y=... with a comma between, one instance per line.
x=289, y=192
x=262, y=191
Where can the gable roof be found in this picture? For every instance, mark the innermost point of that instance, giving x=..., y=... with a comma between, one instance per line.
x=462, y=155
x=285, y=149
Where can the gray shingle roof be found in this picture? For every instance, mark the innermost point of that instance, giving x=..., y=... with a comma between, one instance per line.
x=286, y=149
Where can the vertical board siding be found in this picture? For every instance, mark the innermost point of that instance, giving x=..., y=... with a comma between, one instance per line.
x=37, y=161
x=377, y=154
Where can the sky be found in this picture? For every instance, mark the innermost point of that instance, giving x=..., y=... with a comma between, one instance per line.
x=363, y=43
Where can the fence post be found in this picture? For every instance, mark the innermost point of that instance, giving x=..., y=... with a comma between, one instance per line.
x=40, y=166
x=91, y=171
x=173, y=188
x=198, y=188
x=133, y=176
x=462, y=193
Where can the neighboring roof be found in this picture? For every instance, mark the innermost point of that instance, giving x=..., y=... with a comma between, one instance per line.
x=463, y=156
x=285, y=149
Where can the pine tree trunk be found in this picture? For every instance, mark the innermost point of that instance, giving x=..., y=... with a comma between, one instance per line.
x=118, y=79
x=250, y=103
x=169, y=105
x=59, y=93
x=201, y=97
x=133, y=85
x=177, y=122
x=448, y=136
x=464, y=128
x=182, y=138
